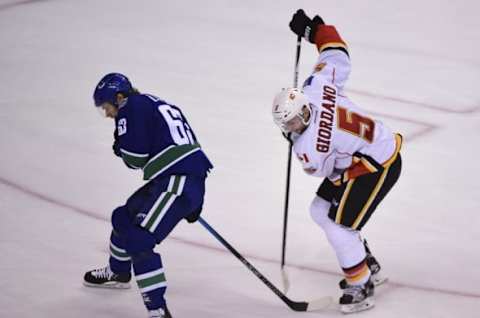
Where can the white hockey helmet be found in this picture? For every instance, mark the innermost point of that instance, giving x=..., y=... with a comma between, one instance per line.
x=288, y=104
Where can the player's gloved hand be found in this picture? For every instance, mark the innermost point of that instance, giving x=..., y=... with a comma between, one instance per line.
x=116, y=149
x=116, y=145
x=193, y=217
x=303, y=26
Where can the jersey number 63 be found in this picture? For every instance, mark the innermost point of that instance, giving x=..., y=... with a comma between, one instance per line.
x=179, y=129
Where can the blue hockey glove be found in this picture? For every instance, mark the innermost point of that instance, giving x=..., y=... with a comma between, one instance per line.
x=193, y=217
x=116, y=146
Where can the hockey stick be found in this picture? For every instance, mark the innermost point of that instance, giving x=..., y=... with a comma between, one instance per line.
x=318, y=304
x=285, y=280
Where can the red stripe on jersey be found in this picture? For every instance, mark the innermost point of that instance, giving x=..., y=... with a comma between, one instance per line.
x=359, y=169
x=305, y=157
x=327, y=36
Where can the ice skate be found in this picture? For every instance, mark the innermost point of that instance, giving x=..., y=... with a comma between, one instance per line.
x=376, y=277
x=357, y=298
x=159, y=313
x=105, y=278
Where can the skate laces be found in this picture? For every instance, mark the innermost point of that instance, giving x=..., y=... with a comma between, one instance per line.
x=355, y=291
x=105, y=272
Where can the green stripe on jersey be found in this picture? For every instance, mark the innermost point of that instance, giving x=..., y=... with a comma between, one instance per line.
x=167, y=158
x=163, y=203
x=176, y=184
x=134, y=159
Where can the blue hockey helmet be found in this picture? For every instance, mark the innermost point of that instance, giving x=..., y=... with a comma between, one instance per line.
x=109, y=86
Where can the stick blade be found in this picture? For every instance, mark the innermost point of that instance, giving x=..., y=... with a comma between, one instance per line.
x=314, y=305
x=320, y=303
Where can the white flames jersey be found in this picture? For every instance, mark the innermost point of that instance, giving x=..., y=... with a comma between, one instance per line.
x=341, y=136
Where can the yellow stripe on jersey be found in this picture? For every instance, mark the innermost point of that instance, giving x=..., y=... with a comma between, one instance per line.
x=339, y=215
x=372, y=196
x=398, y=146
x=332, y=45
x=327, y=37
x=368, y=165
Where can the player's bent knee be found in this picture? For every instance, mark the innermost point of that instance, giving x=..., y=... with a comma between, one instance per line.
x=341, y=237
x=319, y=210
x=139, y=257
x=347, y=245
x=139, y=240
x=343, y=240
x=120, y=219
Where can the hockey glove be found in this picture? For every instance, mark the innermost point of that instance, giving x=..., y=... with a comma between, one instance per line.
x=116, y=145
x=193, y=217
x=303, y=26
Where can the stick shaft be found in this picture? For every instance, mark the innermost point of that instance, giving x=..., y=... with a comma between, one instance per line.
x=297, y=306
x=289, y=162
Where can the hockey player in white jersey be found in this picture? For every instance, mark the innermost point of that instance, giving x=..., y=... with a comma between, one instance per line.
x=357, y=155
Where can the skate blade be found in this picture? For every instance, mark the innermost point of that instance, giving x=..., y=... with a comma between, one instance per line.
x=378, y=279
x=352, y=308
x=109, y=285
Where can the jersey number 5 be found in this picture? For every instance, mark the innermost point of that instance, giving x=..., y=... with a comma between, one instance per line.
x=356, y=124
x=179, y=129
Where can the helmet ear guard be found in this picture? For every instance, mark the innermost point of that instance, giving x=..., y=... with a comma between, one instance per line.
x=287, y=104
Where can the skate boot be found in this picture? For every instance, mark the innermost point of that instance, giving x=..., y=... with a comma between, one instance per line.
x=357, y=298
x=159, y=313
x=105, y=278
x=374, y=266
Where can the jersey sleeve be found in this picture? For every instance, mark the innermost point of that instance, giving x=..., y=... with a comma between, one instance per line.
x=333, y=63
x=324, y=169
x=134, y=136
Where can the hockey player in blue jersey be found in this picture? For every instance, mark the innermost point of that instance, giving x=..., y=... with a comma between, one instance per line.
x=154, y=136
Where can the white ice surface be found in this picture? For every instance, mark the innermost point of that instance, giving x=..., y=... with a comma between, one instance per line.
x=415, y=65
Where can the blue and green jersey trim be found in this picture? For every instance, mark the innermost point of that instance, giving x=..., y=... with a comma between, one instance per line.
x=161, y=162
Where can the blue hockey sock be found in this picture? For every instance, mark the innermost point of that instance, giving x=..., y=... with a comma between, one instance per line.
x=120, y=261
x=150, y=278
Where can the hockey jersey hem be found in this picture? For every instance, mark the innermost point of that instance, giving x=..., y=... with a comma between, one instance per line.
x=134, y=160
x=167, y=158
x=364, y=164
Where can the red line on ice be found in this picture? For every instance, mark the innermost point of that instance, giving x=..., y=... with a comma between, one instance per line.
x=444, y=109
x=427, y=127
x=7, y=6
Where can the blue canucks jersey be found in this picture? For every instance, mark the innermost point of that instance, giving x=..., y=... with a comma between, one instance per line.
x=155, y=136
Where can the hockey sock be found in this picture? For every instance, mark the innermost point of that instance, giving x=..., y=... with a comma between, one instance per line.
x=120, y=261
x=358, y=274
x=150, y=278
